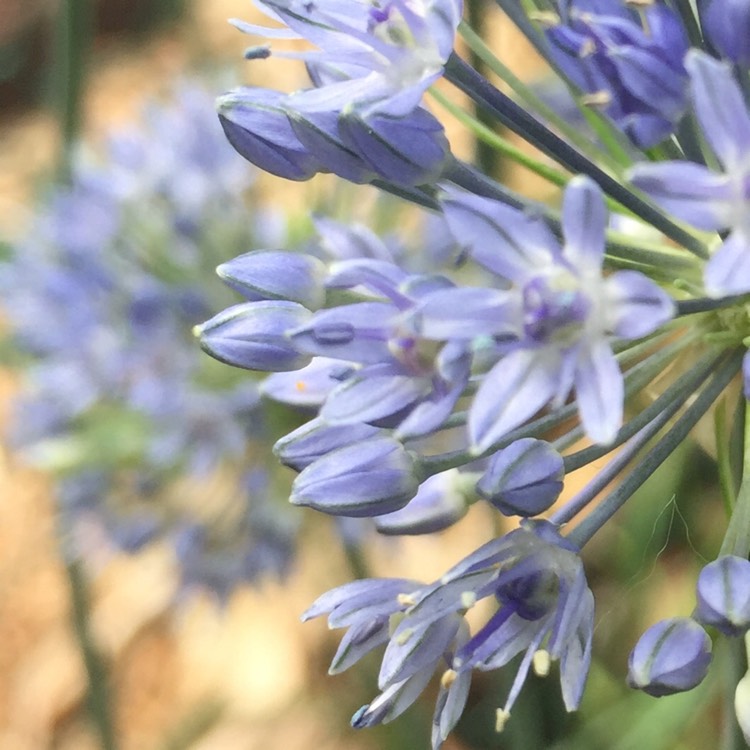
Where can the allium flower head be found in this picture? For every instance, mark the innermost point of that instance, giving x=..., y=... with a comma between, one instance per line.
x=101, y=298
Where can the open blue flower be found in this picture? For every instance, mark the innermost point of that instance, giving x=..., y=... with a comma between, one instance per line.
x=554, y=318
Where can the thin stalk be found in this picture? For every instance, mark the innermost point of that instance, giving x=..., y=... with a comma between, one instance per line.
x=72, y=43
x=704, y=304
x=723, y=459
x=486, y=135
x=97, y=692
x=668, y=401
x=599, y=483
x=513, y=116
x=466, y=176
x=656, y=456
x=483, y=52
x=733, y=666
x=737, y=537
x=485, y=156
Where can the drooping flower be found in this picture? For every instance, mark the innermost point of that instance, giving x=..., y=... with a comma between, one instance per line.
x=544, y=602
x=361, y=119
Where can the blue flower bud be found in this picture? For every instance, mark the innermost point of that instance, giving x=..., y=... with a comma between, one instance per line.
x=724, y=595
x=726, y=24
x=316, y=438
x=671, y=656
x=524, y=479
x=407, y=150
x=277, y=274
x=257, y=125
x=252, y=335
x=440, y=502
x=367, y=478
x=319, y=132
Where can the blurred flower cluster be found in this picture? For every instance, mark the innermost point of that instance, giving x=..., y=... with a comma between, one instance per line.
x=521, y=354
x=147, y=438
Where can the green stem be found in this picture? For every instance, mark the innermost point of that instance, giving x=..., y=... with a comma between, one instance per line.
x=98, y=693
x=72, y=43
x=656, y=456
x=526, y=94
x=500, y=144
x=737, y=538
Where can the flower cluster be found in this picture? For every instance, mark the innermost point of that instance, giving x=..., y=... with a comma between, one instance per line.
x=100, y=299
x=436, y=385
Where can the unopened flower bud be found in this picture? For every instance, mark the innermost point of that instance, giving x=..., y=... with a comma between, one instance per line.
x=724, y=595
x=253, y=335
x=367, y=478
x=316, y=438
x=408, y=150
x=671, y=656
x=277, y=274
x=256, y=124
x=523, y=479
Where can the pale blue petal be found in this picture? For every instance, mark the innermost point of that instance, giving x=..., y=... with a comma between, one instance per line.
x=599, y=392
x=690, y=191
x=502, y=239
x=636, y=306
x=728, y=271
x=514, y=390
x=584, y=220
x=720, y=108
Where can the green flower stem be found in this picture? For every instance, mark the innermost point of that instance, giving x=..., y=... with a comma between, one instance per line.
x=723, y=458
x=737, y=538
x=74, y=31
x=500, y=144
x=657, y=455
x=733, y=663
x=97, y=692
x=483, y=52
x=669, y=401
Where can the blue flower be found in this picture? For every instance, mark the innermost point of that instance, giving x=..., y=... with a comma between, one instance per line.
x=554, y=315
x=628, y=61
x=544, y=605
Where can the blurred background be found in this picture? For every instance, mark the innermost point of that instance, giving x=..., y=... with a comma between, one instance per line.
x=182, y=668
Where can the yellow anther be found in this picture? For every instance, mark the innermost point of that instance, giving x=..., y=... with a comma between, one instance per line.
x=448, y=678
x=501, y=718
x=541, y=662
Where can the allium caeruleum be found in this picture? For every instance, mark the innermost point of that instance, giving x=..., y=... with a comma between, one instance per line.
x=467, y=372
x=101, y=296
